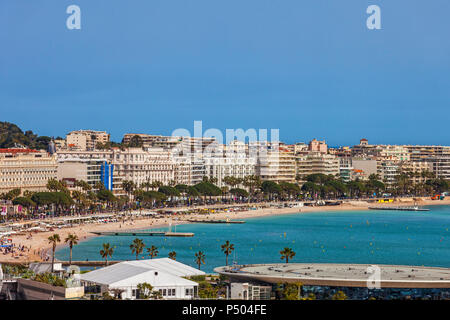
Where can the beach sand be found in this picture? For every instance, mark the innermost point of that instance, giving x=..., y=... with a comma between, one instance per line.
x=39, y=241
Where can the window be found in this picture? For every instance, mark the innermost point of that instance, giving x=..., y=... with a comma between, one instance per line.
x=164, y=292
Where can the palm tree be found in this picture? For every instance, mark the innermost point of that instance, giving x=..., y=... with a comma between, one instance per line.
x=53, y=240
x=152, y=251
x=287, y=254
x=72, y=240
x=252, y=182
x=106, y=251
x=173, y=255
x=199, y=258
x=128, y=186
x=227, y=248
x=137, y=247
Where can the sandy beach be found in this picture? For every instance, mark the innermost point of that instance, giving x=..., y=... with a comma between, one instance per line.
x=38, y=245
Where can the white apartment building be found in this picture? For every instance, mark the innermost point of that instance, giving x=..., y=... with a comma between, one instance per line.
x=141, y=166
x=388, y=170
x=441, y=167
x=237, y=166
x=26, y=169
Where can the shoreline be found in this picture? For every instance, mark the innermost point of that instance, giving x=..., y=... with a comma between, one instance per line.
x=39, y=244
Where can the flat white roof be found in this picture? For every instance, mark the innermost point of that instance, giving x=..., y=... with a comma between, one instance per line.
x=168, y=265
x=157, y=272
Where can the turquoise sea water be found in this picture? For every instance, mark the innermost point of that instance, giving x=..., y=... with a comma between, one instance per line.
x=376, y=237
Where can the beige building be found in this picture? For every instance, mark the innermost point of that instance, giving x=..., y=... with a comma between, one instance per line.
x=276, y=164
x=86, y=139
x=81, y=170
x=317, y=146
x=421, y=153
x=317, y=162
x=26, y=169
x=416, y=170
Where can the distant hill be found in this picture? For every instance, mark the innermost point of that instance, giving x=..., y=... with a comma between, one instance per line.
x=11, y=135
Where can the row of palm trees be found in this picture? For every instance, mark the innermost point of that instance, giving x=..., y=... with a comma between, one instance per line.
x=71, y=240
x=137, y=247
x=155, y=194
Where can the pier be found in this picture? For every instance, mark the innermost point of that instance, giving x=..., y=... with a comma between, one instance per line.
x=399, y=208
x=216, y=221
x=146, y=234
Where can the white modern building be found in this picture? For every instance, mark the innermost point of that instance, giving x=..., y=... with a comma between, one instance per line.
x=164, y=275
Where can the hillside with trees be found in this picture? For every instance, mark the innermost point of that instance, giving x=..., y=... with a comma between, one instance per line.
x=11, y=135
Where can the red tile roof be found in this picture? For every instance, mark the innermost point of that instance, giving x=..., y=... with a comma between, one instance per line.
x=17, y=150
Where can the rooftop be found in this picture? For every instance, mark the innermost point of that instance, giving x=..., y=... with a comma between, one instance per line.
x=157, y=272
x=351, y=275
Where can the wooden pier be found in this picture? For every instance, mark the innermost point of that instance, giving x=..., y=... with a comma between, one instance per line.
x=216, y=221
x=87, y=263
x=399, y=208
x=146, y=234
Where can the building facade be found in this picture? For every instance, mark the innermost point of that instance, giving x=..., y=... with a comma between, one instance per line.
x=26, y=169
x=86, y=139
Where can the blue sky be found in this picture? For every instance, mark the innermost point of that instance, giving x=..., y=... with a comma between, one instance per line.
x=310, y=68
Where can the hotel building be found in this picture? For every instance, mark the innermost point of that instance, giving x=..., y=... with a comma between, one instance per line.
x=26, y=169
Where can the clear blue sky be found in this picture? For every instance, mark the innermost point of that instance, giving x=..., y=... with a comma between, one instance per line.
x=310, y=68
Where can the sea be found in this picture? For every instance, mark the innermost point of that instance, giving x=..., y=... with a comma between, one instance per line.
x=368, y=237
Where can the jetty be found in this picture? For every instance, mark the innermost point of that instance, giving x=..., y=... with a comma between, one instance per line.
x=216, y=221
x=146, y=234
x=399, y=208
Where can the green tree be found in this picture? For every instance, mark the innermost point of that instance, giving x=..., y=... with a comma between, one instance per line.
x=135, y=142
x=286, y=254
x=71, y=239
x=145, y=290
x=271, y=188
x=199, y=258
x=252, y=182
x=137, y=246
x=173, y=255
x=227, y=249
x=152, y=251
x=290, y=291
x=54, y=240
x=340, y=295
x=106, y=251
